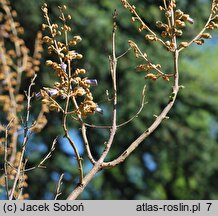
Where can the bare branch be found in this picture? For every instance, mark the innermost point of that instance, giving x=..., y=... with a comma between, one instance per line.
x=41, y=164
x=160, y=117
x=87, y=146
x=6, y=157
x=25, y=140
x=113, y=70
x=21, y=181
x=139, y=111
x=58, y=189
x=120, y=56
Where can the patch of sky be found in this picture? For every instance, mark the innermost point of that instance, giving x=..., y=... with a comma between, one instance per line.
x=149, y=162
x=66, y=147
x=34, y=144
x=3, y=195
x=48, y=196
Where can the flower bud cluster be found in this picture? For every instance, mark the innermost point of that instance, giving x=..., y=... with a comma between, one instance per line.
x=171, y=29
x=175, y=26
x=72, y=84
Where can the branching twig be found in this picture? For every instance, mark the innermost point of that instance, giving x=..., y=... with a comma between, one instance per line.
x=126, y=122
x=97, y=166
x=58, y=189
x=25, y=140
x=41, y=163
x=161, y=116
x=86, y=143
x=48, y=155
x=120, y=56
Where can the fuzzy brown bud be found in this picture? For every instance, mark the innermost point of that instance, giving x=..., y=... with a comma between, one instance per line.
x=206, y=36
x=179, y=23
x=178, y=13
x=151, y=76
x=183, y=44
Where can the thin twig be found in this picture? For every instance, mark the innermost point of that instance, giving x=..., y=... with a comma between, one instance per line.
x=58, y=189
x=120, y=56
x=64, y=124
x=98, y=126
x=87, y=146
x=142, y=55
x=48, y=155
x=40, y=165
x=21, y=180
x=5, y=158
x=25, y=140
x=139, y=111
x=126, y=122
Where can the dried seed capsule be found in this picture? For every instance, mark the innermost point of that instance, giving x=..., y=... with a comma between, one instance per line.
x=49, y=62
x=159, y=24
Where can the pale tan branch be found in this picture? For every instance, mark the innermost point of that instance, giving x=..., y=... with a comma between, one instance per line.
x=58, y=189
x=87, y=146
x=25, y=140
x=97, y=166
x=139, y=111
x=159, y=118
x=6, y=158
x=41, y=164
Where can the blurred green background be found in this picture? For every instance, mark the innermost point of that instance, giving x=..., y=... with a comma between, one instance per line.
x=180, y=159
